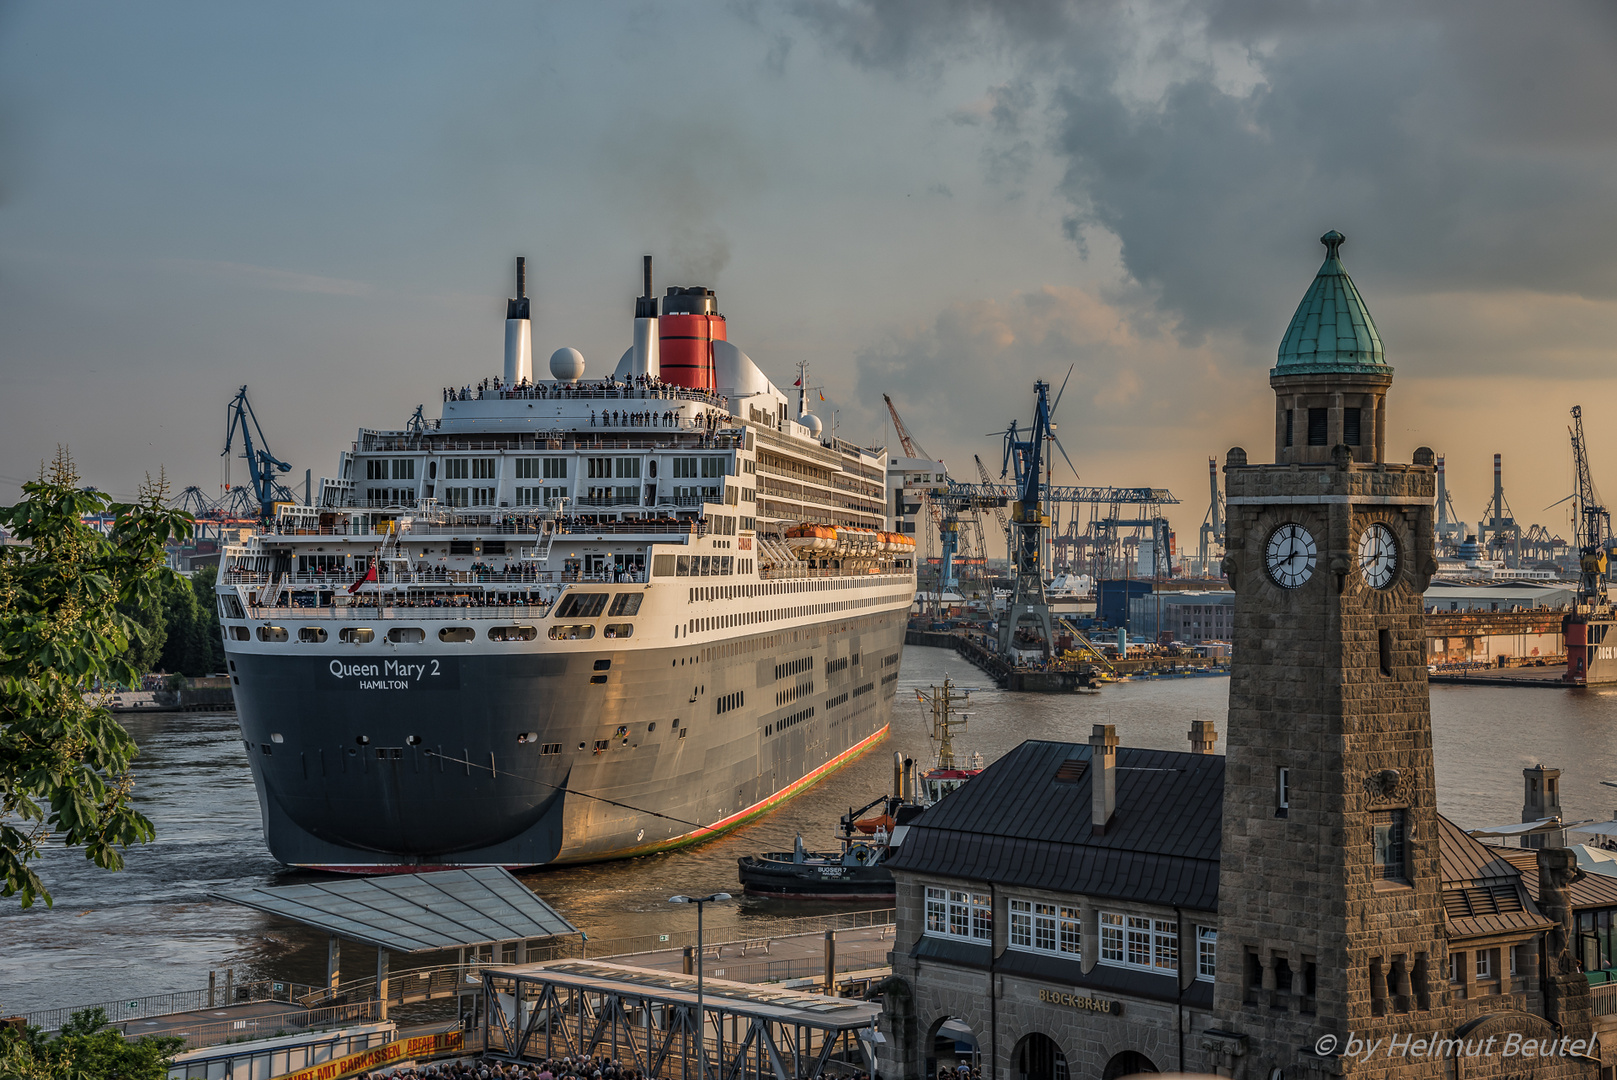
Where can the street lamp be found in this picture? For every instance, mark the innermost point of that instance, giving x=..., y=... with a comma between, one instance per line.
x=701, y=1017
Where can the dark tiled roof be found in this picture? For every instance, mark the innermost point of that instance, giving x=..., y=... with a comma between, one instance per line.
x=1588, y=892
x=1483, y=890
x=1018, y=824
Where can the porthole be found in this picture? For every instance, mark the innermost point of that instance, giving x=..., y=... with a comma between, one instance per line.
x=456, y=633
x=412, y=740
x=362, y=739
x=356, y=635
x=512, y=633
x=277, y=737
x=406, y=635
x=239, y=633
x=312, y=635
x=272, y=633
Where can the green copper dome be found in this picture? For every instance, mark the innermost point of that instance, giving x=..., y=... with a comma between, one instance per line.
x=1332, y=330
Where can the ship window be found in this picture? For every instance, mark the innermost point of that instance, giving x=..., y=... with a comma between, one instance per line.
x=525, y=737
x=597, y=679
x=619, y=629
x=239, y=633
x=460, y=547
x=603, y=665
x=572, y=632
x=356, y=635
x=406, y=635
x=313, y=635
x=651, y=727
x=233, y=607
x=662, y=566
x=626, y=603
x=277, y=737
x=413, y=740
x=271, y=633
x=456, y=633
x=581, y=605
x=512, y=633
x=493, y=547
x=550, y=748
x=682, y=732
x=684, y=564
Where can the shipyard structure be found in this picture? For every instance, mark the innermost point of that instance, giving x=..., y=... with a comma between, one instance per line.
x=568, y=620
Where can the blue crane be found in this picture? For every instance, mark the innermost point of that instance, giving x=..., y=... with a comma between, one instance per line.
x=261, y=464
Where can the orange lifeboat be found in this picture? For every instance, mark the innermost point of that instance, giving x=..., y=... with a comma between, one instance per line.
x=809, y=539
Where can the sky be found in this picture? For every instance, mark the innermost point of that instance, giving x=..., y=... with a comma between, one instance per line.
x=942, y=200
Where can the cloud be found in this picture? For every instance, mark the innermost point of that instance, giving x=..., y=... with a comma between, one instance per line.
x=1460, y=146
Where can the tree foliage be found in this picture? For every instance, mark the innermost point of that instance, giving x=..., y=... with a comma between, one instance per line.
x=65, y=590
x=86, y=1048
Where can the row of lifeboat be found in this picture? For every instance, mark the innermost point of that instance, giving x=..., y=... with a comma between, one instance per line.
x=846, y=542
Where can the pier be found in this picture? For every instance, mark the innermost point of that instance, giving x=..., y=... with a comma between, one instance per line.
x=1059, y=677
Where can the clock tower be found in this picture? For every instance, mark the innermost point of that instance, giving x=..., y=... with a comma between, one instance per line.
x=1330, y=919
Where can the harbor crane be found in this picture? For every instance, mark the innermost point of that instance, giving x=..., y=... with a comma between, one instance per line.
x=1499, y=531
x=1212, y=533
x=261, y=464
x=1450, y=529
x=1593, y=522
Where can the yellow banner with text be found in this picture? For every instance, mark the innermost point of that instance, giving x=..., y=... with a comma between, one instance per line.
x=420, y=1046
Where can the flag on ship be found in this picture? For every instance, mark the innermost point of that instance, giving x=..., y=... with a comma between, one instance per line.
x=370, y=575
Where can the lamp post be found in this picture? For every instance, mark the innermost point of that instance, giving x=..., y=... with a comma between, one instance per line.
x=701, y=1017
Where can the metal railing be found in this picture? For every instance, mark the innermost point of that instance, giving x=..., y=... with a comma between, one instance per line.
x=127, y=1009
x=647, y=943
x=249, y=1028
x=1603, y=999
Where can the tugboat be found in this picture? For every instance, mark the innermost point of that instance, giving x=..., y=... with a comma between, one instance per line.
x=857, y=872
x=854, y=873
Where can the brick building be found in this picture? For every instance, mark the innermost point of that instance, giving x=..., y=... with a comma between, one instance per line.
x=1307, y=873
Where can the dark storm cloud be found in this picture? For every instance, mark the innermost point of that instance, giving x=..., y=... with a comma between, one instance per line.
x=1460, y=146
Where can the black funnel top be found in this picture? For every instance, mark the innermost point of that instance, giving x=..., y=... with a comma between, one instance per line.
x=518, y=307
x=693, y=300
x=645, y=306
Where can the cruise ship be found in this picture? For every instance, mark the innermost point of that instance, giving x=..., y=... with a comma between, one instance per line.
x=568, y=619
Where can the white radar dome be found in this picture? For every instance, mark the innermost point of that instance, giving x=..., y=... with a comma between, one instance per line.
x=567, y=365
x=812, y=422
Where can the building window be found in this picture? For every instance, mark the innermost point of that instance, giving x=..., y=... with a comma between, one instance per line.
x=1206, y=953
x=1138, y=941
x=1317, y=427
x=1071, y=936
x=1387, y=839
x=1457, y=967
x=952, y=913
x=1484, y=964
x=1289, y=413
x=1350, y=426
x=1282, y=791
x=1111, y=938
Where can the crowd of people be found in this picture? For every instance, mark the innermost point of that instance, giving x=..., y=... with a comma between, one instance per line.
x=644, y=386
x=563, y=1068
x=567, y=1068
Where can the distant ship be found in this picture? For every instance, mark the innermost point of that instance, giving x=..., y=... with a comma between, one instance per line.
x=568, y=620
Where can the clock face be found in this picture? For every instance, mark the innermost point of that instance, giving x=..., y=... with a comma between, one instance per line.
x=1289, y=556
x=1378, y=556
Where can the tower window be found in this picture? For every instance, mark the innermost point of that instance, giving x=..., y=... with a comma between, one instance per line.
x=1290, y=413
x=1384, y=639
x=1387, y=830
x=1350, y=426
x=1282, y=791
x=1316, y=427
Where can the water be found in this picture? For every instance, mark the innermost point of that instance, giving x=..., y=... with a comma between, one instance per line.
x=152, y=928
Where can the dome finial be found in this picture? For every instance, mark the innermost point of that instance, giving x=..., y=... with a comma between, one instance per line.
x=1332, y=240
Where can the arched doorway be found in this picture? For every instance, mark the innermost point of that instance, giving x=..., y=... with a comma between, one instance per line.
x=1037, y=1057
x=951, y=1044
x=1128, y=1063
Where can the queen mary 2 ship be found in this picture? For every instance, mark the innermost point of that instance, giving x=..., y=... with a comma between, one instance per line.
x=569, y=620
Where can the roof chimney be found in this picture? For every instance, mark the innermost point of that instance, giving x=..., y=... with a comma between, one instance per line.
x=1541, y=799
x=1202, y=737
x=1103, y=775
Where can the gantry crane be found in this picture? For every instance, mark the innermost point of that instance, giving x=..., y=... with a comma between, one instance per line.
x=1212, y=534
x=1593, y=522
x=261, y=464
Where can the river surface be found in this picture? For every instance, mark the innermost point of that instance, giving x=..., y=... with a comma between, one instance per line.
x=152, y=927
